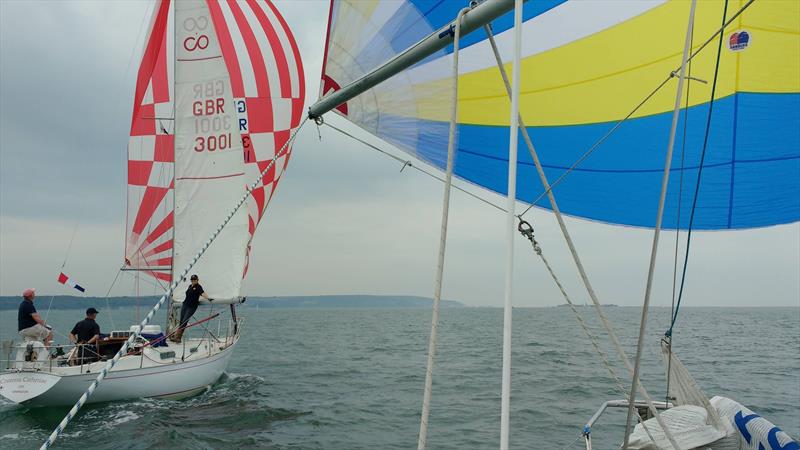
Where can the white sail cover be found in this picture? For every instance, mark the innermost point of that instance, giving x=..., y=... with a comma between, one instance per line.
x=209, y=169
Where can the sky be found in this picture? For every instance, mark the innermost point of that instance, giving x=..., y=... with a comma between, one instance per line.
x=345, y=219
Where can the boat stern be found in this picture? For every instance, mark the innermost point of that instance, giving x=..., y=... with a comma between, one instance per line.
x=20, y=387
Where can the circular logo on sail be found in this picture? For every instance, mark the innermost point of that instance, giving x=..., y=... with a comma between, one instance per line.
x=739, y=41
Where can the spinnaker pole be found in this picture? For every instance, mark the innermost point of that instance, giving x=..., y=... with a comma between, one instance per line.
x=476, y=18
x=687, y=47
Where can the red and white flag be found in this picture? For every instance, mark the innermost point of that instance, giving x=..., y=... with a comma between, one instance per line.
x=63, y=279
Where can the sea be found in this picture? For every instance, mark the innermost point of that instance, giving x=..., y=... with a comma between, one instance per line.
x=352, y=378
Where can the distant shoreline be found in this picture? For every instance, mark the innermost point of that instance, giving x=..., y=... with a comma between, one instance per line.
x=8, y=303
x=306, y=301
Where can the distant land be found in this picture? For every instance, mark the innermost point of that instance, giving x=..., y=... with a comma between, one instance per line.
x=566, y=305
x=315, y=301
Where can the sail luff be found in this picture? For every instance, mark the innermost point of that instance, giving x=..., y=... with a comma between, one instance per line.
x=209, y=168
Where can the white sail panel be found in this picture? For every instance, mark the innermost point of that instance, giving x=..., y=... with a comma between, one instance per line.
x=209, y=169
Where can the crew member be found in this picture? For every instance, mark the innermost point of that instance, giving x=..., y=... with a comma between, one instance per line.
x=87, y=331
x=29, y=323
x=190, y=304
x=86, y=334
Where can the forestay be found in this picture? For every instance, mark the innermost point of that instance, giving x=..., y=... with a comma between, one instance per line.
x=240, y=92
x=587, y=65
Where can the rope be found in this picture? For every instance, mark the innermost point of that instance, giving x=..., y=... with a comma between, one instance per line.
x=697, y=184
x=656, y=233
x=426, y=401
x=678, y=213
x=82, y=400
x=573, y=251
x=407, y=163
x=527, y=230
x=594, y=147
x=646, y=99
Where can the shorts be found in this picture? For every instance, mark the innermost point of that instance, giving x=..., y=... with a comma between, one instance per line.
x=35, y=333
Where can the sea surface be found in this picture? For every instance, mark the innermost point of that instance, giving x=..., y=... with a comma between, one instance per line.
x=353, y=379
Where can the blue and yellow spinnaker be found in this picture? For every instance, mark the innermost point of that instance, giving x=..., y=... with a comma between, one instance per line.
x=585, y=66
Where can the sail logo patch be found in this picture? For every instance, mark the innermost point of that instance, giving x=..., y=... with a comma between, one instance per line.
x=739, y=41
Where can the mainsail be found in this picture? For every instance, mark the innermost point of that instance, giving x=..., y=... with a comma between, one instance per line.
x=587, y=65
x=220, y=89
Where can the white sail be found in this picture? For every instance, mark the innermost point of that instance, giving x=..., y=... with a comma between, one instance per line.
x=209, y=169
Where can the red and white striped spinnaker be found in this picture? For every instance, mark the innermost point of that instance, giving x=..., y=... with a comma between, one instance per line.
x=200, y=135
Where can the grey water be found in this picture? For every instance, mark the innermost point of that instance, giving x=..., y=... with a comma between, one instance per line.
x=353, y=379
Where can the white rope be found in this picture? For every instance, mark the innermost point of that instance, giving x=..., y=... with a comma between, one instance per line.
x=592, y=338
x=664, y=183
x=426, y=399
x=122, y=351
x=505, y=395
x=573, y=251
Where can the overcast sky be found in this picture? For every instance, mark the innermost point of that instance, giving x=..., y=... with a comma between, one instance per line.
x=344, y=220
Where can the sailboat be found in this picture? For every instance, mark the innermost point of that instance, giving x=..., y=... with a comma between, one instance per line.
x=599, y=104
x=219, y=90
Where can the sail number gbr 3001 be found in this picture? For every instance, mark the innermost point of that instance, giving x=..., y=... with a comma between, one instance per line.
x=211, y=123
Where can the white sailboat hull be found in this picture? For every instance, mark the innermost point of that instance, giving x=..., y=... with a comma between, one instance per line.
x=130, y=378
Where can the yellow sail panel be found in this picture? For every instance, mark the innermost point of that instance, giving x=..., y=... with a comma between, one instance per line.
x=600, y=78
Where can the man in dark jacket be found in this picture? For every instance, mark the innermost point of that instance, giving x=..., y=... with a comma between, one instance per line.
x=189, y=306
x=30, y=324
x=86, y=333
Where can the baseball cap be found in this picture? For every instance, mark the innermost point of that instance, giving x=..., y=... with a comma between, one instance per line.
x=91, y=311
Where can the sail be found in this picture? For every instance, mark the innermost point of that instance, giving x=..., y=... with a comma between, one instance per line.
x=207, y=121
x=268, y=87
x=148, y=243
x=585, y=66
x=209, y=168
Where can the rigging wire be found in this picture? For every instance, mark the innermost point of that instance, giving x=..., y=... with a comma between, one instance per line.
x=63, y=264
x=657, y=230
x=526, y=230
x=616, y=126
x=111, y=363
x=699, y=175
x=573, y=250
x=408, y=163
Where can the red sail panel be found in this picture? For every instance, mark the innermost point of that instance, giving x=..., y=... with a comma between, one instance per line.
x=266, y=72
x=148, y=243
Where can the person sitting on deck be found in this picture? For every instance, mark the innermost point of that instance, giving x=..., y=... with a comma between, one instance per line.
x=190, y=304
x=85, y=335
x=30, y=324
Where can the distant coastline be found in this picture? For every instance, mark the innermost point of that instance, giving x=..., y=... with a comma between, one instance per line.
x=564, y=305
x=306, y=301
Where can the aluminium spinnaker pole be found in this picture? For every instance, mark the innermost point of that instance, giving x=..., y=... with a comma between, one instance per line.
x=482, y=14
x=505, y=397
x=687, y=49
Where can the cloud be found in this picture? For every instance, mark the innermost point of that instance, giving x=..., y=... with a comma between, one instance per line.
x=344, y=219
